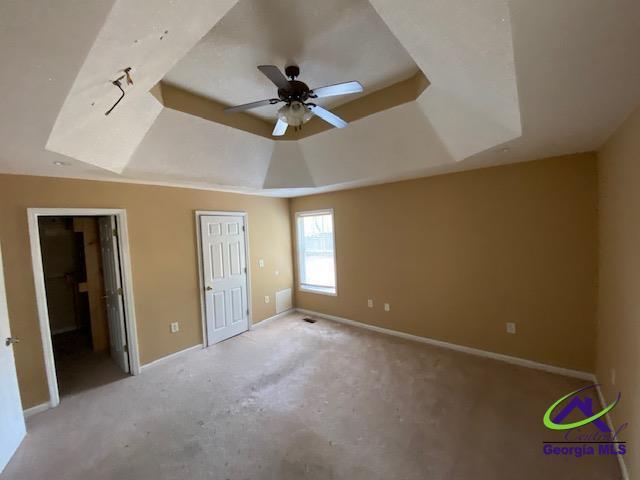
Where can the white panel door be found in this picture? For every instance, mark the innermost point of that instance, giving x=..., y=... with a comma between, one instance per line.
x=224, y=276
x=12, y=429
x=113, y=292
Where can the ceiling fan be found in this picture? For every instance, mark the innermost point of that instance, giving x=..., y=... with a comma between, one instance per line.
x=295, y=94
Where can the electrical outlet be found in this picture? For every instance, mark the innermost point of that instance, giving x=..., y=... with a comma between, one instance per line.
x=267, y=299
x=175, y=327
x=613, y=376
x=386, y=307
x=261, y=263
x=370, y=303
x=511, y=327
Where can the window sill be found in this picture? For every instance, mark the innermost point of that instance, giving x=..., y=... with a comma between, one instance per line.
x=319, y=290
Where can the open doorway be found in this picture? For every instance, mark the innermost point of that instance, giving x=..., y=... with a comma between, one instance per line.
x=82, y=278
x=86, y=315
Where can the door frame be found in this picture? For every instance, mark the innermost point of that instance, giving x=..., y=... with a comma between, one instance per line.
x=33, y=214
x=203, y=313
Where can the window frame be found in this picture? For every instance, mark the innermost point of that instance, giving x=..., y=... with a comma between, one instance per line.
x=304, y=288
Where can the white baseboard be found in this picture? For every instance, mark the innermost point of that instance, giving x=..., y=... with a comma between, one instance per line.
x=170, y=356
x=29, y=412
x=459, y=348
x=623, y=465
x=262, y=323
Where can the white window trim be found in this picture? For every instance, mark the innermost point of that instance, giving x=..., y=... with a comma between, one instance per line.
x=319, y=290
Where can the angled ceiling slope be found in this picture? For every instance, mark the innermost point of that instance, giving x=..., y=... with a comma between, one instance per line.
x=471, y=104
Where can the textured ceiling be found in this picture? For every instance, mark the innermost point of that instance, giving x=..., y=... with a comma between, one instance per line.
x=332, y=41
x=541, y=78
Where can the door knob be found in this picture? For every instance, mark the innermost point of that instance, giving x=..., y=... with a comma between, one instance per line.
x=208, y=288
x=11, y=340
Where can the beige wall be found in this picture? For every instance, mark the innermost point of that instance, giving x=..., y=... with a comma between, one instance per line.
x=619, y=282
x=459, y=255
x=164, y=259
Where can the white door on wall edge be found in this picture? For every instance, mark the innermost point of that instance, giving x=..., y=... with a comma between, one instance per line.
x=12, y=429
x=224, y=271
x=113, y=292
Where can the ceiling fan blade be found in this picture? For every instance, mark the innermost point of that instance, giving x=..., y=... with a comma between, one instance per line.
x=328, y=117
x=280, y=128
x=248, y=106
x=274, y=74
x=337, y=89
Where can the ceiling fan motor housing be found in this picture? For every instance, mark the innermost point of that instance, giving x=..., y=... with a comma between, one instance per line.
x=297, y=91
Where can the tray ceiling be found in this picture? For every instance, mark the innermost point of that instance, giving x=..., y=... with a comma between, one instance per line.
x=509, y=81
x=332, y=41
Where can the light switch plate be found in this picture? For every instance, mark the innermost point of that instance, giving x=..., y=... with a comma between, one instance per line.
x=261, y=263
x=511, y=327
x=370, y=303
x=175, y=327
x=387, y=307
x=267, y=299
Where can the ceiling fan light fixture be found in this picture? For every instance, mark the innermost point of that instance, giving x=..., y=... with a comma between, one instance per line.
x=295, y=114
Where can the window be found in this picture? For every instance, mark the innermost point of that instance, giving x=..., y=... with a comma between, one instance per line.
x=316, y=252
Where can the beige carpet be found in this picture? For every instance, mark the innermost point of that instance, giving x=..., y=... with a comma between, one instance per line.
x=292, y=400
